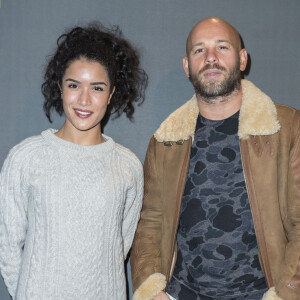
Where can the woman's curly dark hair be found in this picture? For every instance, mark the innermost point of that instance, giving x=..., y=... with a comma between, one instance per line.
x=111, y=50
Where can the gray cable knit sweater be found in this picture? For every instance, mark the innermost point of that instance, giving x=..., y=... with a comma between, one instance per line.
x=68, y=214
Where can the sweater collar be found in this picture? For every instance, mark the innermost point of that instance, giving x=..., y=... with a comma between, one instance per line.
x=258, y=116
x=69, y=147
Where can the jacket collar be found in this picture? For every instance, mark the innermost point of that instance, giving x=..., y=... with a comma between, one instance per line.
x=258, y=116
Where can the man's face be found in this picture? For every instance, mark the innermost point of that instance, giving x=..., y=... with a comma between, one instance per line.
x=214, y=61
x=214, y=81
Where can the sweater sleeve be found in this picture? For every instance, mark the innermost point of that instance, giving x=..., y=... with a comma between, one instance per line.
x=133, y=205
x=13, y=219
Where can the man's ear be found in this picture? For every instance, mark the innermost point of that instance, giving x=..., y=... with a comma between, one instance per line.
x=185, y=64
x=243, y=59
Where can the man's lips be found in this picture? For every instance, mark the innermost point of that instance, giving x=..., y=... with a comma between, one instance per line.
x=212, y=73
x=82, y=113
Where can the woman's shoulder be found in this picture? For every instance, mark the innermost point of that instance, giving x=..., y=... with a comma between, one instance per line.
x=29, y=143
x=26, y=149
x=128, y=156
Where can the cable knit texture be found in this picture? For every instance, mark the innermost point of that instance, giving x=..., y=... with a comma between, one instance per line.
x=68, y=214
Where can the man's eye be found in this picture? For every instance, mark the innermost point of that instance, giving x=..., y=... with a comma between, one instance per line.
x=98, y=88
x=223, y=47
x=198, y=51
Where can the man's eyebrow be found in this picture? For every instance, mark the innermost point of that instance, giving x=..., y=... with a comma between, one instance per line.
x=224, y=41
x=197, y=44
x=217, y=41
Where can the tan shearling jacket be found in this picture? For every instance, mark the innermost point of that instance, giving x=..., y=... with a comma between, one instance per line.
x=270, y=148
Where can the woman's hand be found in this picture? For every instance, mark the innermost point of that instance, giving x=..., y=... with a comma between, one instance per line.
x=161, y=296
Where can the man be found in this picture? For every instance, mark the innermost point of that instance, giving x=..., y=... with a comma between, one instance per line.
x=221, y=212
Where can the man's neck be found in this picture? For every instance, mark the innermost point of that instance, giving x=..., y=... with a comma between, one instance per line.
x=220, y=108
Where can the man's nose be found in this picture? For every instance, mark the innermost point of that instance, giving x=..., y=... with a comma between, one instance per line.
x=211, y=57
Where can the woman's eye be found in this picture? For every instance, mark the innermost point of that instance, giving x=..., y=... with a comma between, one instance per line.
x=72, y=86
x=98, y=88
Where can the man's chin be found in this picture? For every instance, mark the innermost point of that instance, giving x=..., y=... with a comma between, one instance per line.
x=211, y=88
x=211, y=83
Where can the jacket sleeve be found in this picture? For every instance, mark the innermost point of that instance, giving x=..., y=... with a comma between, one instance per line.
x=13, y=219
x=132, y=208
x=145, y=256
x=288, y=284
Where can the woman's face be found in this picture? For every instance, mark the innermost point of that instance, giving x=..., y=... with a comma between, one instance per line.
x=86, y=94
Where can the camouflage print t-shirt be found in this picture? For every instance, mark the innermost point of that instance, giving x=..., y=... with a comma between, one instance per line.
x=217, y=247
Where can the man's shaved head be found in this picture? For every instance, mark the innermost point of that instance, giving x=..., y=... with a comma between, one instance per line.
x=213, y=24
x=214, y=59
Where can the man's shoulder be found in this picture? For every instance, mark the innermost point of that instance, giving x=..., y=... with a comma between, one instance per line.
x=286, y=112
x=180, y=124
x=286, y=108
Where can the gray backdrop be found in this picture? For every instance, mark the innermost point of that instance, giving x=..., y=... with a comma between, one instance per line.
x=158, y=28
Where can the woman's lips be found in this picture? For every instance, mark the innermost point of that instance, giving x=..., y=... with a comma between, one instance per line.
x=83, y=114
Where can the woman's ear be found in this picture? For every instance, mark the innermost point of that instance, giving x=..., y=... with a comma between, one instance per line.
x=112, y=92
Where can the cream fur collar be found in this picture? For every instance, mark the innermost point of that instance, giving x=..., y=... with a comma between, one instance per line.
x=258, y=116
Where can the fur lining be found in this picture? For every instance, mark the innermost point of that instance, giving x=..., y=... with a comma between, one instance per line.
x=152, y=286
x=271, y=295
x=258, y=116
x=180, y=125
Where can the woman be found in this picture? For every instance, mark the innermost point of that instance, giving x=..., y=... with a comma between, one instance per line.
x=70, y=199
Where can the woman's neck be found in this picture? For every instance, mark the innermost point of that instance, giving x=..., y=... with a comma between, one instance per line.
x=81, y=137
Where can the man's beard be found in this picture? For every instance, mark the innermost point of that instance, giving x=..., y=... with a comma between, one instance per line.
x=213, y=89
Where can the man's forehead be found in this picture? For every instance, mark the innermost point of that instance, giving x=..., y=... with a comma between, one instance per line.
x=212, y=30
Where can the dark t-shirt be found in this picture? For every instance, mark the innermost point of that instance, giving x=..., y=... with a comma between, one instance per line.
x=217, y=247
